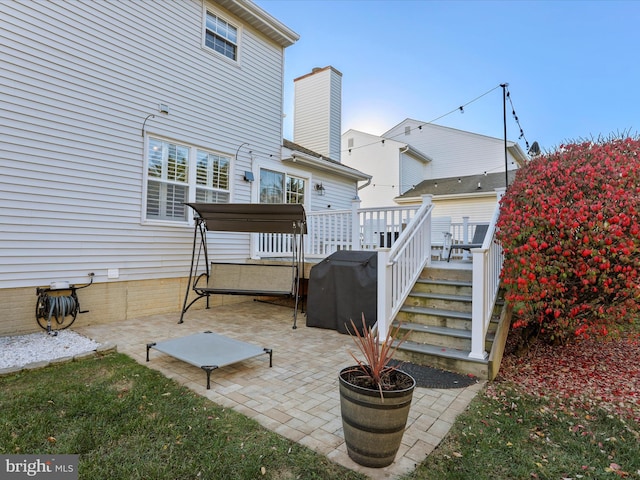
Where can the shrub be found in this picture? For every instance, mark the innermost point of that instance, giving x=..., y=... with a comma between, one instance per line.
x=570, y=231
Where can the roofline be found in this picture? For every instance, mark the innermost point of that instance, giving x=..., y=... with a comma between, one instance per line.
x=304, y=156
x=318, y=70
x=261, y=21
x=321, y=164
x=514, y=147
x=455, y=196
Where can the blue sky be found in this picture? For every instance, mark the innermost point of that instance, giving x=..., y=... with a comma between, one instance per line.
x=572, y=66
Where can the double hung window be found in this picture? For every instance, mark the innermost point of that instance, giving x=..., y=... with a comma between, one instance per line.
x=278, y=187
x=181, y=173
x=221, y=36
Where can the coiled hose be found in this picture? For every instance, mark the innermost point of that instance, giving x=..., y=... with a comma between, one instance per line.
x=60, y=307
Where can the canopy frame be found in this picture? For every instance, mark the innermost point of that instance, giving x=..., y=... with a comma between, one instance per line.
x=250, y=218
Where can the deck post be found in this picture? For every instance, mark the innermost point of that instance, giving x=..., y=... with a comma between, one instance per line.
x=356, y=243
x=478, y=298
x=384, y=293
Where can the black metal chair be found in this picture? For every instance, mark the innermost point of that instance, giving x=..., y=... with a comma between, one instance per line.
x=478, y=240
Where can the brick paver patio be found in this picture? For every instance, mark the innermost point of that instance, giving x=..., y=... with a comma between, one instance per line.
x=298, y=397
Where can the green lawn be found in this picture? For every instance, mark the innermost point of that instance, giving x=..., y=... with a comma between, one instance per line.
x=129, y=422
x=506, y=434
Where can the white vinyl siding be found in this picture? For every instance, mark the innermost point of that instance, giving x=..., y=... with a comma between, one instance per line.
x=75, y=93
x=478, y=209
x=454, y=151
x=412, y=172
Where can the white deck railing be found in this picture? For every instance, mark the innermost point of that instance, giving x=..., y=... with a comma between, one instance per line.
x=330, y=231
x=487, y=266
x=400, y=266
x=402, y=237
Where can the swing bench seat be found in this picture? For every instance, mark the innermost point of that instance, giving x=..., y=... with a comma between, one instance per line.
x=265, y=280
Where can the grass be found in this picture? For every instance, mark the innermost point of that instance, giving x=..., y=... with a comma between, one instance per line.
x=506, y=434
x=129, y=422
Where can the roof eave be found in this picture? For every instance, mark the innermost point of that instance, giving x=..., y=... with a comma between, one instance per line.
x=321, y=164
x=456, y=196
x=261, y=21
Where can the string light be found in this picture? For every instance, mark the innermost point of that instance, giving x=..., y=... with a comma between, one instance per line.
x=458, y=109
x=515, y=117
x=419, y=127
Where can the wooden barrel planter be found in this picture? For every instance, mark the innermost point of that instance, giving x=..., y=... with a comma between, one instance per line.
x=373, y=426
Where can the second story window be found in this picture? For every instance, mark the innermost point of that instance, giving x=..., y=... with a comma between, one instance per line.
x=221, y=36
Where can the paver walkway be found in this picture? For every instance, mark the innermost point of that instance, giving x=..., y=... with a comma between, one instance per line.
x=298, y=397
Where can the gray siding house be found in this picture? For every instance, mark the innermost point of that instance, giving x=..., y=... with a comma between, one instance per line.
x=116, y=113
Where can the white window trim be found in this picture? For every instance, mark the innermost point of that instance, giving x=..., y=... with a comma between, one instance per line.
x=227, y=19
x=193, y=149
x=304, y=175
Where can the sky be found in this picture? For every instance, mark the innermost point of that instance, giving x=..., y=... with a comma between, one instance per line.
x=572, y=67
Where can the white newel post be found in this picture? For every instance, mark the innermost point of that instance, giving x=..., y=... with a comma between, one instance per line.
x=384, y=293
x=356, y=243
x=478, y=298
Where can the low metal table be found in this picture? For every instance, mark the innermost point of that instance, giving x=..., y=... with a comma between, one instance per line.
x=209, y=351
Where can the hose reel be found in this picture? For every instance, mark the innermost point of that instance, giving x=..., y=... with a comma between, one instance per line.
x=58, y=302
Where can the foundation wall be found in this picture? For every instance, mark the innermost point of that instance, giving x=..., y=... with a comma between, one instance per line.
x=107, y=303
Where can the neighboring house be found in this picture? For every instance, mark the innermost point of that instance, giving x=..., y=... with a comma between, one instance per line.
x=114, y=115
x=472, y=196
x=414, y=152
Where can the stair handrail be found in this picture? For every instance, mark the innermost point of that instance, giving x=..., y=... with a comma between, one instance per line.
x=399, y=267
x=487, y=267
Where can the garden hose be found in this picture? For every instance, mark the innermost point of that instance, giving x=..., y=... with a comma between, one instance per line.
x=60, y=307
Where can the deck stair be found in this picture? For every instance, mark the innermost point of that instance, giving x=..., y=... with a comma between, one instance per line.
x=438, y=313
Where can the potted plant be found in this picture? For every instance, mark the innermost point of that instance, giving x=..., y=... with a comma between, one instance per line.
x=374, y=399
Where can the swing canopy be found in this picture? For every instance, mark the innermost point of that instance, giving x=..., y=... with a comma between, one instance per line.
x=252, y=217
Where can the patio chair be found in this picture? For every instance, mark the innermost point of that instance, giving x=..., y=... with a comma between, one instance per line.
x=478, y=240
x=440, y=237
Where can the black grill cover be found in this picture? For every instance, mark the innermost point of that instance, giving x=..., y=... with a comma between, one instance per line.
x=341, y=288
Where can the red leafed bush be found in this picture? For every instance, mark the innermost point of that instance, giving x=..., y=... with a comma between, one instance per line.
x=570, y=229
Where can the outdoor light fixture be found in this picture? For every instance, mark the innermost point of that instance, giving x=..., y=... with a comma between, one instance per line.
x=248, y=176
x=319, y=188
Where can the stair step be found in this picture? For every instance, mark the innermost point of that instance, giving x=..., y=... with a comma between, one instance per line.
x=445, y=331
x=452, y=359
x=451, y=283
x=442, y=336
x=442, y=296
x=437, y=350
x=436, y=312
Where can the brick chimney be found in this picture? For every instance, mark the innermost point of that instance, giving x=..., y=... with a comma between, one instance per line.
x=317, y=112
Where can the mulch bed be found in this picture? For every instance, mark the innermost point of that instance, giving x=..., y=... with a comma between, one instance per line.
x=429, y=377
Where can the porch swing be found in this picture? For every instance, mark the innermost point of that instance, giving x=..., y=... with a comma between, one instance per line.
x=254, y=279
